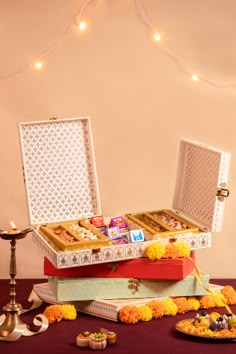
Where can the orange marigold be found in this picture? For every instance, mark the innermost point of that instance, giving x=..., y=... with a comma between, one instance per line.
x=182, y=303
x=129, y=314
x=53, y=313
x=171, y=251
x=157, y=307
x=207, y=301
x=229, y=294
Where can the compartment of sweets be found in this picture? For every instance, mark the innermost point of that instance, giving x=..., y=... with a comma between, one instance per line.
x=75, y=235
x=150, y=226
x=173, y=221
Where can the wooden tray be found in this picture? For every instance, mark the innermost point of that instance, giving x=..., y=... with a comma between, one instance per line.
x=65, y=237
x=153, y=223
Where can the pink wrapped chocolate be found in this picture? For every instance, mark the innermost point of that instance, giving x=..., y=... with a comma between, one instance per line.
x=118, y=221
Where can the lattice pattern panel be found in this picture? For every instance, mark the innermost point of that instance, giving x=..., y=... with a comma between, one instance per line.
x=60, y=174
x=200, y=177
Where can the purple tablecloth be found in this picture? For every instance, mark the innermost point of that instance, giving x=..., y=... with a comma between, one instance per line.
x=155, y=336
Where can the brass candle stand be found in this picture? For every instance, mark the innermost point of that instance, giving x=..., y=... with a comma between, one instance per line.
x=11, y=325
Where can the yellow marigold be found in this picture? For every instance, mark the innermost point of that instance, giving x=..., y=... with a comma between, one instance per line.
x=157, y=307
x=229, y=294
x=193, y=303
x=171, y=308
x=69, y=312
x=145, y=313
x=182, y=304
x=53, y=313
x=207, y=301
x=172, y=251
x=184, y=250
x=129, y=314
x=155, y=251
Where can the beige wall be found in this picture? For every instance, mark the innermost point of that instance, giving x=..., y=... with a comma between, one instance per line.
x=140, y=100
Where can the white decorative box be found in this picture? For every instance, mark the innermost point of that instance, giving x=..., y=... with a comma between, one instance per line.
x=62, y=187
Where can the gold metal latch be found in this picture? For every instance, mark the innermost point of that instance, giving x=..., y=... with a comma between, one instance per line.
x=222, y=193
x=134, y=284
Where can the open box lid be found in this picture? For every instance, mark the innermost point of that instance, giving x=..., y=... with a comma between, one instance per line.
x=201, y=182
x=59, y=170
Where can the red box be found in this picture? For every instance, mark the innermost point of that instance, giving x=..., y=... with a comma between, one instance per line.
x=142, y=268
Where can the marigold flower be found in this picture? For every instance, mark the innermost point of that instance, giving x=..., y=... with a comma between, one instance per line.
x=145, y=313
x=53, y=313
x=182, y=304
x=184, y=249
x=69, y=312
x=193, y=303
x=157, y=307
x=129, y=314
x=207, y=301
x=171, y=308
x=172, y=251
x=155, y=251
x=229, y=294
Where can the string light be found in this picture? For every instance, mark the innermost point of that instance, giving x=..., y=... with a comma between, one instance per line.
x=82, y=26
x=195, y=77
x=157, y=36
x=38, y=65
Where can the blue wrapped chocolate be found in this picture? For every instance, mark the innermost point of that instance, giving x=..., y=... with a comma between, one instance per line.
x=135, y=236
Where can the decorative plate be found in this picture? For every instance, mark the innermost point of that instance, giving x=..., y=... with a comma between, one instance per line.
x=186, y=327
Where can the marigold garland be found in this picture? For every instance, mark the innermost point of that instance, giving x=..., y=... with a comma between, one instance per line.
x=229, y=294
x=145, y=313
x=182, y=304
x=184, y=250
x=207, y=301
x=193, y=303
x=129, y=314
x=155, y=251
x=69, y=312
x=53, y=313
x=171, y=308
x=171, y=251
x=157, y=307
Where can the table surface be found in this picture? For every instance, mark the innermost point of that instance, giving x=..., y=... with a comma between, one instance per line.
x=157, y=335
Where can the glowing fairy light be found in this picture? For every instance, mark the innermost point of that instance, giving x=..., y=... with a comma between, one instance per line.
x=38, y=65
x=195, y=77
x=157, y=36
x=82, y=26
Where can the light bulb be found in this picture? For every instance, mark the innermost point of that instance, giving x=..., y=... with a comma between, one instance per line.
x=38, y=65
x=82, y=26
x=195, y=77
x=157, y=36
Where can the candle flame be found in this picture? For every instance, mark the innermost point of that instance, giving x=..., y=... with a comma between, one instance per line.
x=13, y=225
